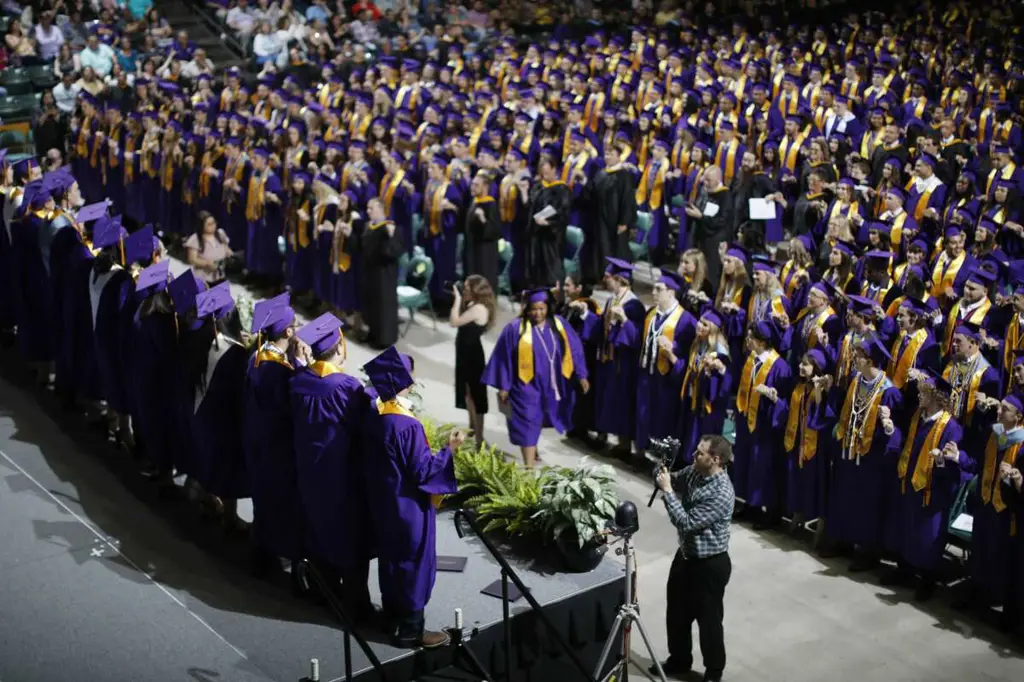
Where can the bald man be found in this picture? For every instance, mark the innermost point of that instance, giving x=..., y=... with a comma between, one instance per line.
x=711, y=220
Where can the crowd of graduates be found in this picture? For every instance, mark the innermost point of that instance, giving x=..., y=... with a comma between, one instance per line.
x=865, y=335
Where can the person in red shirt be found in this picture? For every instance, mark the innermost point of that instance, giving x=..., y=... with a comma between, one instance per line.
x=362, y=5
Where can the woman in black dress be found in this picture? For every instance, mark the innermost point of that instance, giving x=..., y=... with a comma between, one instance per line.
x=472, y=315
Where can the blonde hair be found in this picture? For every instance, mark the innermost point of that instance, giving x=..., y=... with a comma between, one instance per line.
x=741, y=278
x=700, y=268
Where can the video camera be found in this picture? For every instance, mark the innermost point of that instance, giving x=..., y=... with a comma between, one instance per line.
x=663, y=453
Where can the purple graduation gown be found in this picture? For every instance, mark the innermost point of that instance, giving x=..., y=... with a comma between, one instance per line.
x=33, y=291
x=75, y=371
x=917, y=532
x=535, y=405
x=154, y=365
x=401, y=475
x=615, y=380
x=108, y=294
x=270, y=458
x=805, y=482
x=262, y=253
x=756, y=451
x=657, y=394
x=326, y=417
x=218, y=458
x=859, y=487
x=703, y=405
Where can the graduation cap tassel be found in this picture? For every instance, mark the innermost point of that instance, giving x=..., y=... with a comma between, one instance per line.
x=120, y=244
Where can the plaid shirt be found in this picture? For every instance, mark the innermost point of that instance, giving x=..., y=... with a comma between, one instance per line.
x=704, y=513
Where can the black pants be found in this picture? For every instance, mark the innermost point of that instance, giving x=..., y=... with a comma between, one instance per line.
x=696, y=590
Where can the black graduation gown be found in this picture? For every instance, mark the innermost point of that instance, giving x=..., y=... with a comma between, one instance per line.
x=544, y=250
x=611, y=198
x=380, y=254
x=482, y=242
x=709, y=232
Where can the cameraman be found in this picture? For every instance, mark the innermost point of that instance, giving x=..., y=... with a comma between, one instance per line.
x=699, y=500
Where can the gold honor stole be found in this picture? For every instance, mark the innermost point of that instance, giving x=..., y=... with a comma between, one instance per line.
x=728, y=163
x=434, y=209
x=113, y=139
x=867, y=431
x=524, y=351
x=922, y=203
x=991, y=485
x=388, y=186
x=167, y=170
x=668, y=331
x=358, y=126
x=776, y=305
x=972, y=389
x=129, y=163
x=901, y=363
x=977, y=316
x=680, y=158
x=569, y=168
x=868, y=143
x=82, y=145
x=1012, y=342
x=652, y=185
x=818, y=321
x=298, y=236
x=784, y=275
x=255, y=198
x=796, y=423
x=789, y=150
x=393, y=407
x=896, y=234
x=508, y=192
x=921, y=480
x=1006, y=173
x=592, y=110
x=945, y=272
x=525, y=145
x=209, y=159
x=270, y=356
x=748, y=399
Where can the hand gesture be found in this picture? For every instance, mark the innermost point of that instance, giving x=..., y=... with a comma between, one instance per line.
x=456, y=439
x=391, y=229
x=585, y=386
x=888, y=427
x=578, y=306
x=821, y=335
x=693, y=211
x=503, y=396
x=664, y=344
x=772, y=394
x=884, y=412
x=951, y=452
x=915, y=375
x=619, y=313
x=479, y=213
x=664, y=480
x=541, y=221
x=303, y=216
x=346, y=229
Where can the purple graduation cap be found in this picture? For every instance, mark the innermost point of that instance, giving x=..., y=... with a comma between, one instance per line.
x=876, y=351
x=216, y=301
x=389, y=373
x=863, y=306
x=914, y=306
x=1016, y=271
x=817, y=359
x=969, y=330
x=108, y=232
x=982, y=276
x=765, y=265
x=712, y=317
x=138, y=246
x=672, y=280
x=739, y=252
x=273, y=316
x=766, y=331
x=183, y=291
x=619, y=268
x=896, y=193
x=1016, y=400
x=321, y=334
x=1018, y=357
x=536, y=296
x=153, y=279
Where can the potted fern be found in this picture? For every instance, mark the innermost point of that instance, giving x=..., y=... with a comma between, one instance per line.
x=574, y=508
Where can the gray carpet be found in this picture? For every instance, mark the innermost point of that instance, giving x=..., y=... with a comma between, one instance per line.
x=99, y=580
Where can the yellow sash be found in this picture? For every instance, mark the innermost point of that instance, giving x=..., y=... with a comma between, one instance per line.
x=434, y=207
x=388, y=186
x=651, y=189
x=819, y=320
x=255, y=197
x=945, y=272
x=977, y=316
x=1013, y=342
x=972, y=390
x=524, y=352
x=298, y=235
x=322, y=368
x=508, y=193
x=901, y=364
x=749, y=400
x=789, y=151
x=867, y=431
x=693, y=374
x=727, y=164
x=668, y=331
x=922, y=477
x=269, y=356
x=209, y=159
x=569, y=168
x=896, y=233
x=796, y=422
x=991, y=485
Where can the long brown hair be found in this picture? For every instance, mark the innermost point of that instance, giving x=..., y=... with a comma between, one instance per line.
x=700, y=269
x=483, y=293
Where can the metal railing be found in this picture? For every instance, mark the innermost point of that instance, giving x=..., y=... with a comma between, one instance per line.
x=219, y=29
x=350, y=628
x=508, y=573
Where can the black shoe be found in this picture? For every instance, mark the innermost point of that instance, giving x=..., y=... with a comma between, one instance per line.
x=712, y=678
x=895, y=577
x=925, y=591
x=863, y=563
x=672, y=668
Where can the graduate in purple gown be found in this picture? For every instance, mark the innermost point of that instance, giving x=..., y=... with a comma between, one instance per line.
x=154, y=345
x=399, y=196
x=865, y=456
x=707, y=386
x=264, y=204
x=326, y=407
x=808, y=425
x=439, y=238
x=269, y=439
x=299, y=235
x=33, y=290
x=993, y=564
x=665, y=339
x=402, y=481
x=183, y=290
x=617, y=335
x=761, y=409
x=215, y=364
x=928, y=475
x=109, y=289
x=535, y=366
x=816, y=325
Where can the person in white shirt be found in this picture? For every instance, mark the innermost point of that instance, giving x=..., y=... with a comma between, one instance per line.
x=66, y=92
x=199, y=63
x=48, y=37
x=241, y=20
x=266, y=45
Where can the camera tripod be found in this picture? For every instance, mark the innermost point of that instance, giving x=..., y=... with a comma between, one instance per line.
x=628, y=615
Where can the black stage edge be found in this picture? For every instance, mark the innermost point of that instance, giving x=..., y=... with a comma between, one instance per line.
x=175, y=596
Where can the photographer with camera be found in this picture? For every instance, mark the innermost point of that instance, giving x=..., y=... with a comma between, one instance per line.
x=699, y=500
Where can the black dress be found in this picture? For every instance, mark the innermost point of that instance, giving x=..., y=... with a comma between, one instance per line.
x=380, y=254
x=469, y=366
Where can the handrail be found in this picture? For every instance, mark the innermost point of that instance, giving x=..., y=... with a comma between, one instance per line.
x=222, y=31
x=350, y=629
x=509, y=573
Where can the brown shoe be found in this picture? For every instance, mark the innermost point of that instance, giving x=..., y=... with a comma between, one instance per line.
x=432, y=640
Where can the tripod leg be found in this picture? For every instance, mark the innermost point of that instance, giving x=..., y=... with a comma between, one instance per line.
x=650, y=649
x=616, y=624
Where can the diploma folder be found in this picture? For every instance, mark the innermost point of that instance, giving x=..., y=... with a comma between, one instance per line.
x=452, y=564
x=494, y=590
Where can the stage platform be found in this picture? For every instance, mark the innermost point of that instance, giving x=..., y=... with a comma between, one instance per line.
x=101, y=579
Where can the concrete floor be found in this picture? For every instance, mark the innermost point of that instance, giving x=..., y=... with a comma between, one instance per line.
x=790, y=616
